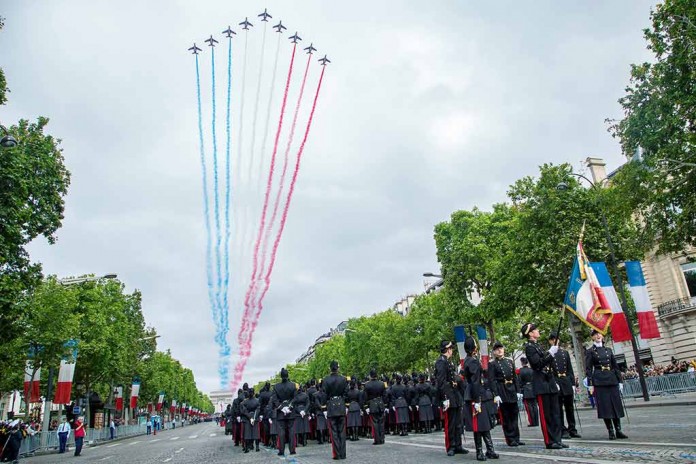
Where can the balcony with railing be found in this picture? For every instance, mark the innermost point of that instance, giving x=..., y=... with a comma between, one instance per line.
x=677, y=307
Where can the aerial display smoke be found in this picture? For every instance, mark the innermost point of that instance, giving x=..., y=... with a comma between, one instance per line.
x=247, y=198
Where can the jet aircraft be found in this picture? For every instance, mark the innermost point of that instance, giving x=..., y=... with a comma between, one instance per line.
x=279, y=27
x=245, y=24
x=264, y=16
x=310, y=49
x=211, y=42
x=324, y=60
x=229, y=32
x=295, y=38
x=195, y=49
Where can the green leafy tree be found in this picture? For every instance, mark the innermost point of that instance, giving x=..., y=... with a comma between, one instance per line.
x=660, y=120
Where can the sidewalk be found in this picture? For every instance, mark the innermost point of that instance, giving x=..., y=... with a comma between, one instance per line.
x=681, y=399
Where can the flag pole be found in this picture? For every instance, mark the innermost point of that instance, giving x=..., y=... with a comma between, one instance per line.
x=560, y=319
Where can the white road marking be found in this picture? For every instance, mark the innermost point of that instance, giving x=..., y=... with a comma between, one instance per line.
x=193, y=436
x=156, y=439
x=133, y=442
x=174, y=438
x=213, y=434
x=179, y=450
x=168, y=459
x=104, y=459
x=625, y=443
x=111, y=446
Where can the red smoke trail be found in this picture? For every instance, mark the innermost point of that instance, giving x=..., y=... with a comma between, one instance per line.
x=269, y=184
x=281, y=183
x=267, y=278
x=245, y=347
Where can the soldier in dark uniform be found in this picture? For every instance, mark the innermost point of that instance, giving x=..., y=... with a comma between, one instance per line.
x=282, y=402
x=375, y=399
x=530, y=401
x=477, y=418
x=301, y=405
x=336, y=388
x=311, y=391
x=424, y=404
x=566, y=383
x=545, y=387
x=251, y=410
x=604, y=378
x=399, y=404
x=237, y=417
x=264, y=399
x=354, y=401
x=505, y=387
x=446, y=382
x=320, y=400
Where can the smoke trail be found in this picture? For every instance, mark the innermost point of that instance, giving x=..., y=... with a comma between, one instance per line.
x=281, y=183
x=206, y=207
x=256, y=103
x=252, y=284
x=245, y=350
x=226, y=252
x=268, y=116
x=267, y=278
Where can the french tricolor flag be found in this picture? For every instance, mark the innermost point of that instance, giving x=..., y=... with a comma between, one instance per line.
x=172, y=407
x=459, y=337
x=160, y=400
x=618, y=325
x=639, y=293
x=65, y=379
x=483, y=345
x=119, y=398
x=135, y=392
x=32, y=393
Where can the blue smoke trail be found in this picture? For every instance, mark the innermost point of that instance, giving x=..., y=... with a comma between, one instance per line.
x=206, y=207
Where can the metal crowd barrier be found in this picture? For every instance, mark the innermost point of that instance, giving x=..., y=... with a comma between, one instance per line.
x=663, y=385
x=48, y=441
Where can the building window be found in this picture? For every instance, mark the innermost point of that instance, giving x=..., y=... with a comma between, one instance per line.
x=689, y=271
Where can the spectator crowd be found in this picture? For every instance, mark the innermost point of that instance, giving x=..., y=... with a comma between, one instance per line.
x=652, y=370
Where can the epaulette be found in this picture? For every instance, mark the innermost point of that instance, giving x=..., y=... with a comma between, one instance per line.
x=385, y=385
x=297, y=386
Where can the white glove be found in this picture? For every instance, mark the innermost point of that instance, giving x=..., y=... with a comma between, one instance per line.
x=520, y=396
x=417, y=408
x=394, y=408
x=239, y=419
x=285, y=410
x=302, y=413
x=553, y=349
x=252, y=421
x=497, y=400
x=367, y=410
x=326, y=415
x=260, y=417
x=361, y=413
x=591, y=389
x=621, y=388
x=386, y=411
x=445, y=405
x=477, y=407
x=270, y=421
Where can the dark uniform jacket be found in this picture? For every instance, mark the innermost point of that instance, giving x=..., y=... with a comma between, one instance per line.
x=250, y=409
x=446, y=382
x=336, y=388
x=525, y=378
x=543, y=380
x=399, y=398
x=472, y=374
x=283, y=395
x=601, y=367
x=564, y=372
x=423, y=392
x=375, y=396
x=311, y=391
x=354, y=400
x=503, y=379
x=264, y=399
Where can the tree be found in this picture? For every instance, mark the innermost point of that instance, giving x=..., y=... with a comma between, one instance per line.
x=33, y=183
x=660, y=121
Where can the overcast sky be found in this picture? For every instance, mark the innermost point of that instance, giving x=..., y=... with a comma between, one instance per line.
x=426, y=108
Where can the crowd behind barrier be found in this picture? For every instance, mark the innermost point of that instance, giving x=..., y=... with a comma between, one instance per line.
x=651, y=370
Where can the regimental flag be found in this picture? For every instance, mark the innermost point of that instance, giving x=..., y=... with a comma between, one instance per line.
x=459, y=337
x=66, y=374
x=135, y=392
x=119, y=398
x=483, y=345
x=584, y=296
x=160, y=400
x=32, y=378
x=639, y=293
x=619, y=326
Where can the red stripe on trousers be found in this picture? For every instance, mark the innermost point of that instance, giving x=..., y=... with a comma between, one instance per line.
x=474, y=419
x=446, y=430
x=542, y=420
x=333, y=442
x=526, y=409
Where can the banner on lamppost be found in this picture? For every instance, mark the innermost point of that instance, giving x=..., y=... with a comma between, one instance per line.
x=32, y=378
x=135, y=392
x=119, y=397
x=160, y=400
x=66, y=374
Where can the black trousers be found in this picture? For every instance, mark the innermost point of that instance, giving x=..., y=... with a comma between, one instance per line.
x=453, y=428
x=550, y=418
x=565, y=403
x=377, y=422
x=286, y=434
x=509, y=413
x=337, y=429
x=532, y=409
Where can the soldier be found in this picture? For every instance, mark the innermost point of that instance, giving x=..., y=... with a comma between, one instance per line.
x=399, y=404
x=566, y=383
x=604, y=380
x=237, y=417
x=264, y=399
x=251, y=410
x=475, y=414
x=282, y=401
x=530, y=402
x=544, y=385
x=445, y=378
x=311, y=391
x=355, y=401
x=505, y=387
x=302, y=406
x=336, y=388
x=375, y=398
x=424, y=404
x=320, y=400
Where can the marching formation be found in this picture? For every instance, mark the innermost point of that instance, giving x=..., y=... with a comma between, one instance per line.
x=477, y=398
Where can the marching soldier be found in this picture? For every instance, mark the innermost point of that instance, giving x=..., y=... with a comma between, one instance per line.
x=282, y=402
x=445, y=379
x=566, y=384
x=477, y=418
x=505, y=387
x=424, y=404
x=604, y=378
x=544, y=384
x=530, y=401
x=336, y=388
x=375, y=397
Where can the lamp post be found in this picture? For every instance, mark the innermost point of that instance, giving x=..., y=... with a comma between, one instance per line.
x=7, y=141
x=624, y=305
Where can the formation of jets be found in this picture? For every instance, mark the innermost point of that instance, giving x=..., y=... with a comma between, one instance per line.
x=246, y=25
